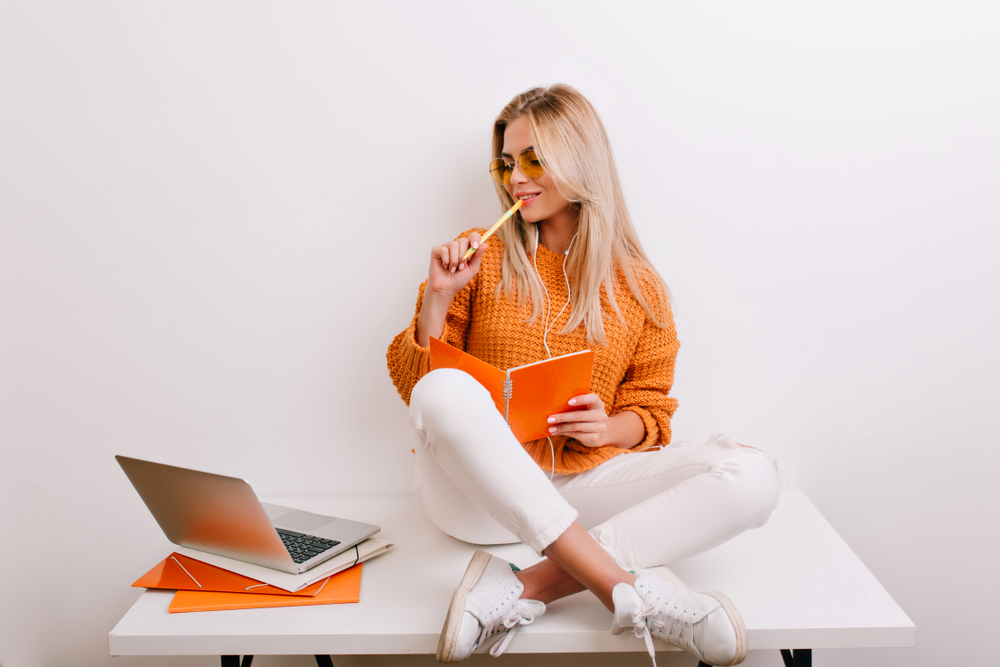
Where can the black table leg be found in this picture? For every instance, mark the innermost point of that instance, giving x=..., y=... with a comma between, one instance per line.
x=234, y=661
x=800, y=657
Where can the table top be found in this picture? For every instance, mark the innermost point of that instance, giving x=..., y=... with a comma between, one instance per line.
x=796, y=583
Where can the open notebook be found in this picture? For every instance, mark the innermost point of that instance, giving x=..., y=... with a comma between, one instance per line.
x=525, y=395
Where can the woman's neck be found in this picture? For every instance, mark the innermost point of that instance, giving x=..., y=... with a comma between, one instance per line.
x=557, y=233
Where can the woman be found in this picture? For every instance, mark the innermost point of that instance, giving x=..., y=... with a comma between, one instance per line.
x=602, y=499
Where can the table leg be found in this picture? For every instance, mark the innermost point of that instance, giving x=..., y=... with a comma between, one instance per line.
x=234, y=661
x=800, y=657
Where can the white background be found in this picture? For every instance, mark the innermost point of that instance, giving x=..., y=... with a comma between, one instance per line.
x=214, y=218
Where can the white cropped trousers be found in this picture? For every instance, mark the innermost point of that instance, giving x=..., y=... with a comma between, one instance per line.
x=646, y=508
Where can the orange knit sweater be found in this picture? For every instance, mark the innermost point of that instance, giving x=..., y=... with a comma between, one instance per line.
x=634, y=371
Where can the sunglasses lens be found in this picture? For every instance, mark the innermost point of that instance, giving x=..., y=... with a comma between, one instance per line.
x=500, y=171
x=530, y=164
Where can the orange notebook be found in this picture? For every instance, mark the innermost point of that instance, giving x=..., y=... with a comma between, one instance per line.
x=345, y=586
x=181, y=573
x=525, y=395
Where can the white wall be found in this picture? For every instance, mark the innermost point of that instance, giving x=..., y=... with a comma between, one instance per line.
x=214, y=217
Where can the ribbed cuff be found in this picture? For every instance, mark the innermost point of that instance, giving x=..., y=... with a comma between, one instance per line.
x=416, y=359
x=652, y=428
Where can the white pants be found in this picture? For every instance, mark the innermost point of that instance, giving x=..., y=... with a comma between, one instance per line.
x=645, y=509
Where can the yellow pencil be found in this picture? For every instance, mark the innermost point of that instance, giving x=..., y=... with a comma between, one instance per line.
x=513, y=209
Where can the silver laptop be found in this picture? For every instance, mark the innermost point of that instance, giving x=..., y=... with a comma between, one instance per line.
x=222, y=515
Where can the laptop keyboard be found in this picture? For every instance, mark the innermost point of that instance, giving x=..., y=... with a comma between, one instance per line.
x=302, y=547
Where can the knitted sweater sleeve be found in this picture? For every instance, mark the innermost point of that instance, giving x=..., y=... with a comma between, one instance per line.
x=407, y=360
x=646, y=386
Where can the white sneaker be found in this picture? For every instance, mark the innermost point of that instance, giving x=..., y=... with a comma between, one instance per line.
x=707, y=625
x=486, y=602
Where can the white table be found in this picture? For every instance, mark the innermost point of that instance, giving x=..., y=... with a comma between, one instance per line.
x=795, y=581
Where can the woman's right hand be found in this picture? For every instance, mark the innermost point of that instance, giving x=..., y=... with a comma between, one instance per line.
x=447, y=275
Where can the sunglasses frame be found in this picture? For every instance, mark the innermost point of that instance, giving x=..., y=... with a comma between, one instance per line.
x=508, y=169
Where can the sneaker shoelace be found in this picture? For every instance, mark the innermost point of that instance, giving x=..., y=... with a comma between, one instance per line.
x=672, y=631
x=510, y=622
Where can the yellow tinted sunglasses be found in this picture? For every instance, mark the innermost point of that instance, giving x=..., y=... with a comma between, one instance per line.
x=528, y=161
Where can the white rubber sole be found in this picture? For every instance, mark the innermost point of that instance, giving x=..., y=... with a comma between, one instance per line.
x=737, y=620
x=453, y=621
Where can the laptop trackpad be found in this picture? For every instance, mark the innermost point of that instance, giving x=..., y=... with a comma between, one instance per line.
x=302, y=522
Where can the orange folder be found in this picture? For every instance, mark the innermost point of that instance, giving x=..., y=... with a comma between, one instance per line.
x=180, y=573
x=527, y=395
x=345, y=586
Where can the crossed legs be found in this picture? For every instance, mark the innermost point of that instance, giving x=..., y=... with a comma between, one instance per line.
x=641, y=510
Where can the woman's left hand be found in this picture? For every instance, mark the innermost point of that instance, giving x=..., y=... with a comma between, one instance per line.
x=588, y=426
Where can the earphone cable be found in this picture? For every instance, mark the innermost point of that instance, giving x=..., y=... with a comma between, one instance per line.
x=548, y=311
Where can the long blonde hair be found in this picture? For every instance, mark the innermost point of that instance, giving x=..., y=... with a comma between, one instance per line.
x=573, y=146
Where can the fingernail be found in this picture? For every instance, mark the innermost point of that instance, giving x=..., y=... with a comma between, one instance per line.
x=552, y=430
x=552, y=420
x=476, y=244
x=572, y=401
x=461, y=266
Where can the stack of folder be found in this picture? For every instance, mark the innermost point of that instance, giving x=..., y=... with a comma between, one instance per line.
x=205, y=582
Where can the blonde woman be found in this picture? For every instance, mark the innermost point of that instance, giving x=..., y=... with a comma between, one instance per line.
x=603, y=500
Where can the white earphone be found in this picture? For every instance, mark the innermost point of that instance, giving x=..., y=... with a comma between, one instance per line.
x=548, y=327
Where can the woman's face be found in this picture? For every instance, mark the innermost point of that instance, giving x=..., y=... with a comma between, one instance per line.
x=542, y=200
